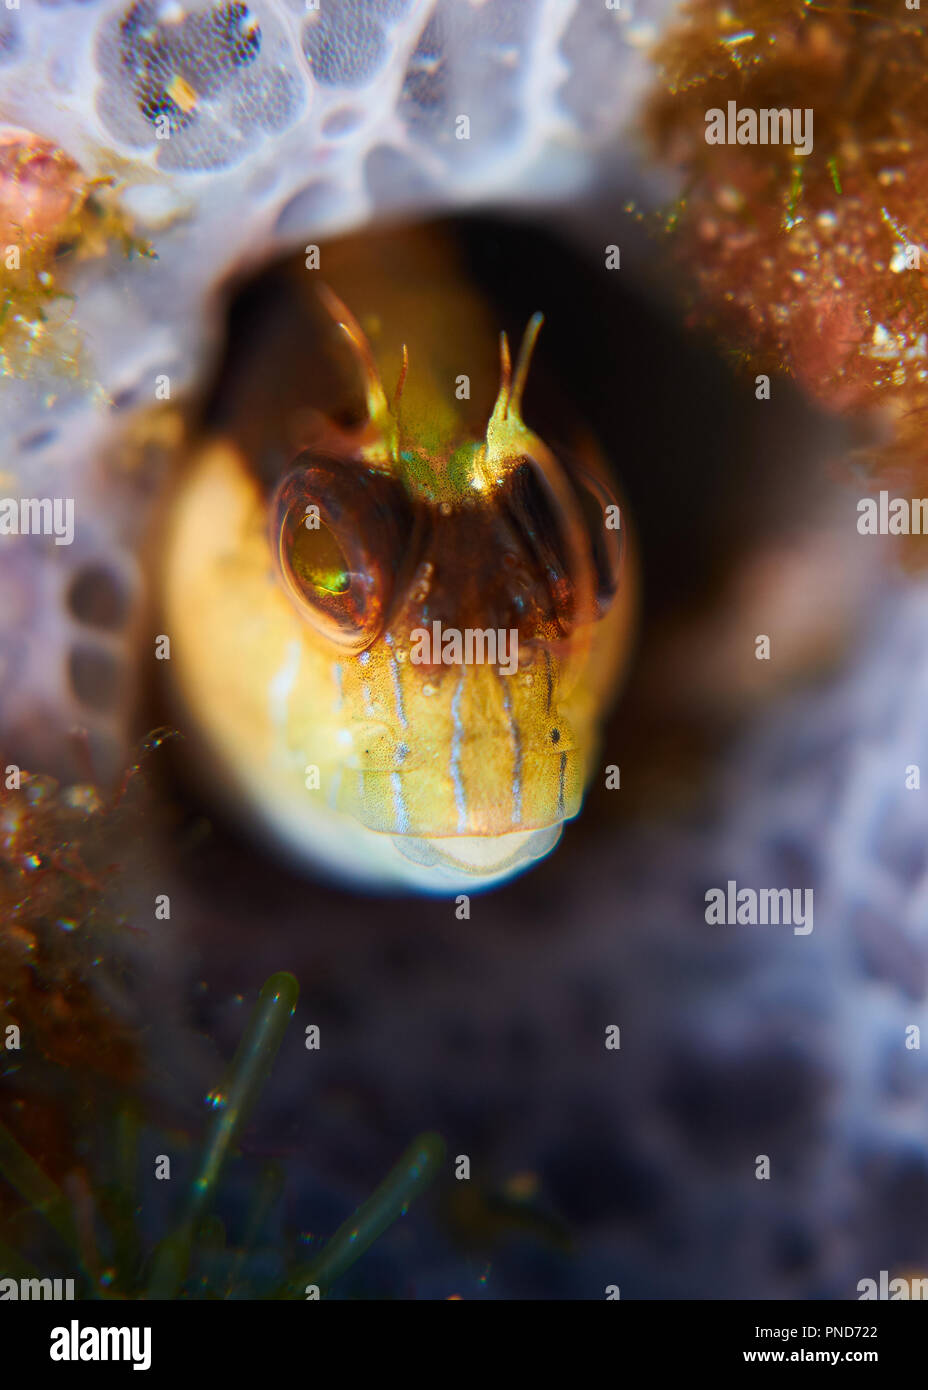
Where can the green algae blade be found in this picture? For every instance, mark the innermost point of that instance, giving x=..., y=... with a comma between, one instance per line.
x=415, y=1170
x=232, y=1102
x=36, y=1188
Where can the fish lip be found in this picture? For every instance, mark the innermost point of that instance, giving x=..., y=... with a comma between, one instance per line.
x=437, y=852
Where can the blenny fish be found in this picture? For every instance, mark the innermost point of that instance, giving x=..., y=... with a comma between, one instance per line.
x=309, y=561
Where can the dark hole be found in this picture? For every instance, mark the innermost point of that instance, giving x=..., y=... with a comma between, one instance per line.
x=98, y=598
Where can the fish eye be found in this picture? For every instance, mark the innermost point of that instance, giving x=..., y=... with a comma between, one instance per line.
x=339, y=530
x=572, y=526
x=317, y=562
x=602, y=522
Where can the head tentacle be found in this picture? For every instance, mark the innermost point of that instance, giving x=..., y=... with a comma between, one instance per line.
x=381, y=446
x=507, y=436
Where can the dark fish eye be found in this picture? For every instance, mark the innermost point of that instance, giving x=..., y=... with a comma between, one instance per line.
x=602, y=520
x=578, y=546
x=339, y=530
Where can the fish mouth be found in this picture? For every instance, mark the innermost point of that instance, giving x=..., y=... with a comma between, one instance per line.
x=483, y=810
x=479, y=856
